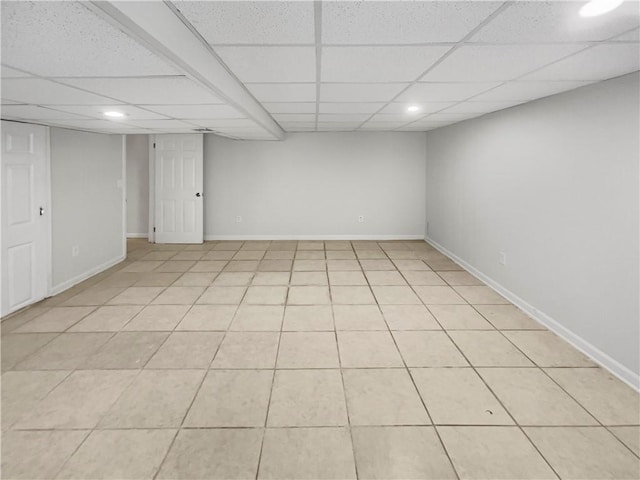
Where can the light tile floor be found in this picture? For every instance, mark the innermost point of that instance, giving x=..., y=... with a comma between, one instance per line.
x=301, y=360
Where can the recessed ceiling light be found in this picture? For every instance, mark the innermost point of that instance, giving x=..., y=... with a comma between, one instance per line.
x=599, y=7
x=413, y=108
x=114, y=114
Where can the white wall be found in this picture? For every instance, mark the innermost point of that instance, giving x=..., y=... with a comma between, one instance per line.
x=315, y=185
x=137, y=185
x=554, y=185
x=87, y=204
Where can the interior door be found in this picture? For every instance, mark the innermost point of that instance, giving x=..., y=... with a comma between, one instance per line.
x=25, y=228
x=178, y=187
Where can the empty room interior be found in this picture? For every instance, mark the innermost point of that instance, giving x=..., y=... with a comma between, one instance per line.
x=320, y=240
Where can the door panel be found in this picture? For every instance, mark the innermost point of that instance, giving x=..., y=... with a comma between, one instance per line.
x=25, y=236
x=179, y=182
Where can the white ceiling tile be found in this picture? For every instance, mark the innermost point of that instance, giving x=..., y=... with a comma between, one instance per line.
x=10, y=102
x=294, y=117
x=196, y=111
x=270, y=64
x=97, y=125
x=359, y=92
x=444, y=92
x=424, y=107
x=283, y=92
x=66, y=39
x=163, y=124
x=97, y=111
x=219, y=123
x=8, y=72
x=401, y=22
x=412, y=127
x=45, y=92
x=370, y=107
x=293, y=126
x=527, y=90
x=147, y=91
x=32, y=112
x=399, y=118
x=632, y=36
x=377, y=64
x=556, y=21
x=290, y=107
x=449, y=117
x=496, y=62
x=383, y=126
x=337, y=126
x=598, y=63
x=481, y=107
x=247, y=22
x=351, y=118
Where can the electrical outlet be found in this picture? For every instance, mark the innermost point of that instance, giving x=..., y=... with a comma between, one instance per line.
x=75, y=251
x=238, y=219
x=502, y=258
x=361, y=219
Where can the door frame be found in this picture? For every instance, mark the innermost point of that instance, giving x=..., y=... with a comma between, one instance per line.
x=48, y=230
x=152, y=189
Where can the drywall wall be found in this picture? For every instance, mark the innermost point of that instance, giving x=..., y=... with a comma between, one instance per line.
x=87, y=204
x=315, y=185
x=137, y=185
x=554, y=185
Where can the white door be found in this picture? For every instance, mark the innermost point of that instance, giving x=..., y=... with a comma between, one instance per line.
x=25, y=226
x=178, y=186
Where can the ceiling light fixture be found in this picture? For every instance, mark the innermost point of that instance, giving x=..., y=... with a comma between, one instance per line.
x=413, y=109
x=599, y=7
x=114, y=114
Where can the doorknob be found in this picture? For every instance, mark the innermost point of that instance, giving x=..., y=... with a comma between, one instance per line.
x=41, y=211
x=198, y=194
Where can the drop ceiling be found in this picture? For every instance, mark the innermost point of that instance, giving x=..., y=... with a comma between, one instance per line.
x=305, y=65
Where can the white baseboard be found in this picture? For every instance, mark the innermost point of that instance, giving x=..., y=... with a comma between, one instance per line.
x=601, y=358
x=137, y=235
x=61, y=287
x=314, y=237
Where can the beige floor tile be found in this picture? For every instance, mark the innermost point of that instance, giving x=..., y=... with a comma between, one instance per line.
x=283, y=245
x=383, y=397
x=307, y=398
x=366, y=254
x=346, y=278
x=358, y=317
x=385, y=277
x=266, y=295
x=15, y=320
x=352, y=296
x=143, y=266
x=459, y=317
x=228, y=245
x=158, y=318
x=341, y=255
x=488, y=349
x=208, y=317
x=308, y=350
x=21, y=391
x=222, y=296
x=307, y=454
x=275, y=266
x=208, y=266
x=310, y=255
x=107, y=319
x=126, y=350
x=343, y=265
x=17, y=347
x=188, y=256
x=120, y=279
x=258, y=318
x=604, y=396
x=233, y=279
x=480, y=295
x=65, y=352
x=38, y=454
x=443, y=264
x=439, y=295
x=310, y=245
x=136, y=296
x=155, y=256
x=254, y=245
x=411, y=265
x=630, y=436
x=232, y=398
x=309, y=278
x=279, y=255
x=423, y=278
x=508, y=317
x=155, y=399
x=376, y=264
x=93, y=296
x=548, y=350
x=307, y=318
x=400, y=453
x=119, y=454
x=58, y=319
x=368, y=349
x=533, y=398
x=247, y=350
x=308, y=295
x=493, y=453
x=187, y=350
x=249, y=255
x=190, y=279
x=458, y=396
x=309, y=265
x=333, y=245
x=271, y=278
x=218, y=255
x=179, y=296
x=79, y=401
x=428, y=349
x=156, y=279
x=175, y=266
x=409, y=317
x=460, y=278
x=395, y=295
x=585, y=453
